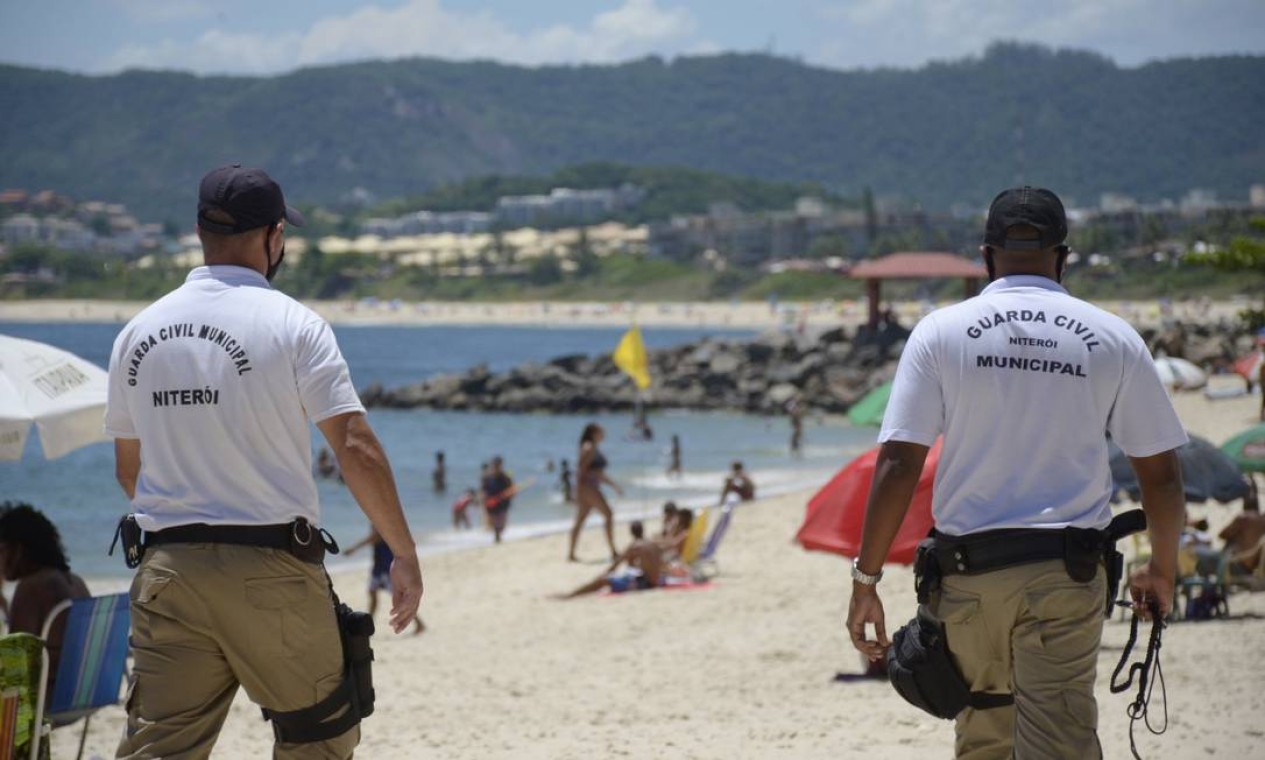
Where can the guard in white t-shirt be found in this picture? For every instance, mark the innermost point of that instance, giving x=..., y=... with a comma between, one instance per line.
x=212, y=389
x=1025, y=383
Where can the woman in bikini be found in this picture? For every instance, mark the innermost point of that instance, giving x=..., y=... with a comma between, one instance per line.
x=590, y=475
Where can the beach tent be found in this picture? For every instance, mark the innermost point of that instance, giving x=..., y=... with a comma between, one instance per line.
x=53, y=389
x=836, y=514
x=869, y=410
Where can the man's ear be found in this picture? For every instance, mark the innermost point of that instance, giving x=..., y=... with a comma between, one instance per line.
x=1061, y=262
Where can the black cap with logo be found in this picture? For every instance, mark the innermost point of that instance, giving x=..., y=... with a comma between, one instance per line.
x=249, y=196
x=1034, y=207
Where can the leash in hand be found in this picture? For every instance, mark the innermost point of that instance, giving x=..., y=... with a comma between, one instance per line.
x=1148, y=673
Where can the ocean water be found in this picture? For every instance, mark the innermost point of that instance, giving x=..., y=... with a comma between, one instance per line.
x=80, y=494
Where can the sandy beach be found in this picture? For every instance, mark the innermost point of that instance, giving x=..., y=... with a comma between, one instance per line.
x=742, y=669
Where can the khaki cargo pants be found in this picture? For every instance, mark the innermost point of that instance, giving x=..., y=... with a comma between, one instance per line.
x=1033, y=631
x=208, y=617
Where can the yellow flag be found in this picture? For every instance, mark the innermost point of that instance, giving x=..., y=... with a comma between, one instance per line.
x=630, y=356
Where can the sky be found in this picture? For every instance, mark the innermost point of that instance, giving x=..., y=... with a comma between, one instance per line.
x=259, y=37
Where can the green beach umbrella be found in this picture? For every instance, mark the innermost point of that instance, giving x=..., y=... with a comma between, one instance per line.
x=869, y=410
x=1248, y=448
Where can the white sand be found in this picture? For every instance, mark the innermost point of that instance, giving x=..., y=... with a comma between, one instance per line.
x=740, y=670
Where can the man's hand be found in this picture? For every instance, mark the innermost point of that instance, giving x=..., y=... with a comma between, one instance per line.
x=406, y=590
x=865, y=607
x=1148, y=584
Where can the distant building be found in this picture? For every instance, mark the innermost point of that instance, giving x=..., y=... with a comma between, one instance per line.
x=1256, y=196
x=564, y=204
x=1111, y=203
x=1198, y=199
x=20, y=228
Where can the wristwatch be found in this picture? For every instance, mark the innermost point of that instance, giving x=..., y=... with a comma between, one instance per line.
x=862, y=577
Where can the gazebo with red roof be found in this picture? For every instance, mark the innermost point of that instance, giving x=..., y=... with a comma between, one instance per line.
x=915, y=266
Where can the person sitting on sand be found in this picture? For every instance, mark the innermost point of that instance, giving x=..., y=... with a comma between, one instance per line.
x=739, y=483
x=31, y=553
x=644, y=561
x=1247, y=528
x=673, y=544
x=669, y=520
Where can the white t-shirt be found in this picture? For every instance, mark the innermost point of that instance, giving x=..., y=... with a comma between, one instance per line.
x=1026, y=383
x=218, y=380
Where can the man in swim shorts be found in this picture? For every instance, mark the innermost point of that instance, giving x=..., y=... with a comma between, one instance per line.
x=644, y=561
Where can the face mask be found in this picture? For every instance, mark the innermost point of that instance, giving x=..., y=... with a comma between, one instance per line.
x=273, y=266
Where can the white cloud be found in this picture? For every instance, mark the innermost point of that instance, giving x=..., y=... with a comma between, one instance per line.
x=426, y=28
x=909, y=32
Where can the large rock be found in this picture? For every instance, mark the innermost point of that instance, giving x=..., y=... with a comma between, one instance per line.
x=829, y=373
x=780, y=394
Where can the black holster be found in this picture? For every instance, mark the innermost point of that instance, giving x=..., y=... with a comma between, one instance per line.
x=131, y=536
x=919, y=664
x=923, y=672
x=353, y=700
x=1123, y=524
x=926, y=570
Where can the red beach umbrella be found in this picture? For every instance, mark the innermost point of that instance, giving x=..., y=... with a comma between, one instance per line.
x=836, y=514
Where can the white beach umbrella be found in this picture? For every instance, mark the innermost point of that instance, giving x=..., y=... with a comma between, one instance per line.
x=1180, y=374
x=61, y=393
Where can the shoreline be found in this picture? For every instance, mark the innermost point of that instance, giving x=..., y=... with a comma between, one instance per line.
x=716, y=314
x=478, y=538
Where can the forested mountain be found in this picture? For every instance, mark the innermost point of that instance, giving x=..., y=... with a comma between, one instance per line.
x=944, y=133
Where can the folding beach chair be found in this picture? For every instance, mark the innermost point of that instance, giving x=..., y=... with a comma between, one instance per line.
x=694, y=541
x=20, y=663
x=704, y=564
x=93, y=661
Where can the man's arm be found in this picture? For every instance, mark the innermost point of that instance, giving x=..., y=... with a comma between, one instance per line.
x=368, y=475
x=127, y=464
x=896, y=475
x=1164, y=501
x=724, y=490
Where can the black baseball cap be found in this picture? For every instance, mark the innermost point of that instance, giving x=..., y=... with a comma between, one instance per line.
x=1035, y=207
x=249, y=196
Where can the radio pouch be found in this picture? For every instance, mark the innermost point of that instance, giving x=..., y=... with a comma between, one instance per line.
x=922, y=671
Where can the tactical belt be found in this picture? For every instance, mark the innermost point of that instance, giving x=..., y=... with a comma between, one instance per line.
x=299, y=537
x=996, y=549
x=269, y=536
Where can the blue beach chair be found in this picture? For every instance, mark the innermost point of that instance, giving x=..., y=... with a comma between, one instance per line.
x=704, y=565
x=93, y=661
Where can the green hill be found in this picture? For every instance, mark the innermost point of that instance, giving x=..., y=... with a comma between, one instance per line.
x=944, y=133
